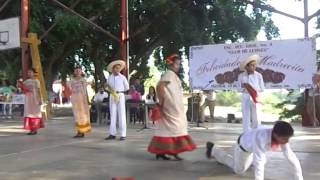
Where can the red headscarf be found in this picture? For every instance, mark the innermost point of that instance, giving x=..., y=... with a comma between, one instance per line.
x=170, y=60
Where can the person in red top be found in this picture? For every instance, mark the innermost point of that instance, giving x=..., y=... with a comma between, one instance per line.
x=135, y=97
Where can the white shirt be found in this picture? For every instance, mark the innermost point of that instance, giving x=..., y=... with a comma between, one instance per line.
x=118, y=83
x=99, y=97
x=315, y=90
x=150, y=100
x=255, y=80
x=258, y=142
x=210, y=95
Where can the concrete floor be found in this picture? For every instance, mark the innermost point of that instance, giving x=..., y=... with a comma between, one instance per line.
x=53, y=154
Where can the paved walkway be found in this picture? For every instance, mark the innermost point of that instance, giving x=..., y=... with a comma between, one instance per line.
x=54, y=155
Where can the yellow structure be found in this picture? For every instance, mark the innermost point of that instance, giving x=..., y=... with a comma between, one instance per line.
x=36, y=64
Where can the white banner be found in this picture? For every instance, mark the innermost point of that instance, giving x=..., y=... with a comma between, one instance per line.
x=287, y=64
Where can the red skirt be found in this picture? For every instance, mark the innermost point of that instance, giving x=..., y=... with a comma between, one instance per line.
x=33, y=123
x=171, y=145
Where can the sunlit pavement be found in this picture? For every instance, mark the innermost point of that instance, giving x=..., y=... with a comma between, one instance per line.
x=54, y=154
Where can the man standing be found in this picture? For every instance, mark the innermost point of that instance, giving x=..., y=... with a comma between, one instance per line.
x=251, y=147
x=251, y=83
x=311, y=115
x=210, y=102
x=118, y=85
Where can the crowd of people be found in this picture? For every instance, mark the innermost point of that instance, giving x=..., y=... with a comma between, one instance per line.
x=6, y=93
x=171, y=135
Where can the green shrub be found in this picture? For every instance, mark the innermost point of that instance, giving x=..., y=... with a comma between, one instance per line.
x=228, y=98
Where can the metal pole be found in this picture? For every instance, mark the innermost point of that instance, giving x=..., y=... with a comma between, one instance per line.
x=25, y=58
x=306, y=19
x=124, y=43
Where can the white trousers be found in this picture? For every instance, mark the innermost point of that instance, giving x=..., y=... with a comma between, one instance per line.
x=239, y=162
x=118, y=111
x=251, y=113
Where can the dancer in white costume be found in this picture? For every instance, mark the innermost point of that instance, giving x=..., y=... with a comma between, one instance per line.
x=250, y=81
x=119, y=85
x=251, y=147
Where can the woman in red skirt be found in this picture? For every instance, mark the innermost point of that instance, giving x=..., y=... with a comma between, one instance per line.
x=32, y=108
x=171, y=135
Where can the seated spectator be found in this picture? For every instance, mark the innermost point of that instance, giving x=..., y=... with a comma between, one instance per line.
x=135, y=96
x=6, y=91
x=100, y=95
x=101, y=103
x=138, y=86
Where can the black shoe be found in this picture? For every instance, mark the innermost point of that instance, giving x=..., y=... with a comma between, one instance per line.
x=32, y=133
x=122, y=138
x=178, y=158
x=79, y=135
x=110, y=137
x=162, y=156
x=209, y=149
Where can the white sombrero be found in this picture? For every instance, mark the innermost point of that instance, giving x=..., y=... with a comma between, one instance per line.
x=116, y=62
x=255, y=58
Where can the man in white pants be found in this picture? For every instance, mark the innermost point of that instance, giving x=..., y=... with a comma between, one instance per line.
x=250, y=80
x=120, y=85
x=251, y=147
x=209, y=101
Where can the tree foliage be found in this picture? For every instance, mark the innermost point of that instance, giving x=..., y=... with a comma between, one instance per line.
x=161, y=27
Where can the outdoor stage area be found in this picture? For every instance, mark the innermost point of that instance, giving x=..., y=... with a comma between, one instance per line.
x=54, y=155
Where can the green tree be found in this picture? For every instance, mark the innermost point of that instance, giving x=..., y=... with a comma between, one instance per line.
x=161, y=27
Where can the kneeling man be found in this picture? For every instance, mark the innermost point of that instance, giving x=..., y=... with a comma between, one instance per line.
x=251, y=147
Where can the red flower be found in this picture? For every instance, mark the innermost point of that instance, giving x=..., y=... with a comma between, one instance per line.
x=171, y=58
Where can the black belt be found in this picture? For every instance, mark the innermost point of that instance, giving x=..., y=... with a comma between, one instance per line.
x=243, y=149
x=120, y=91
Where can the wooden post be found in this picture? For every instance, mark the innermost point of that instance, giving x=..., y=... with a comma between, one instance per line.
x=36, y=64
x=124, y=43
x=24, y=32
